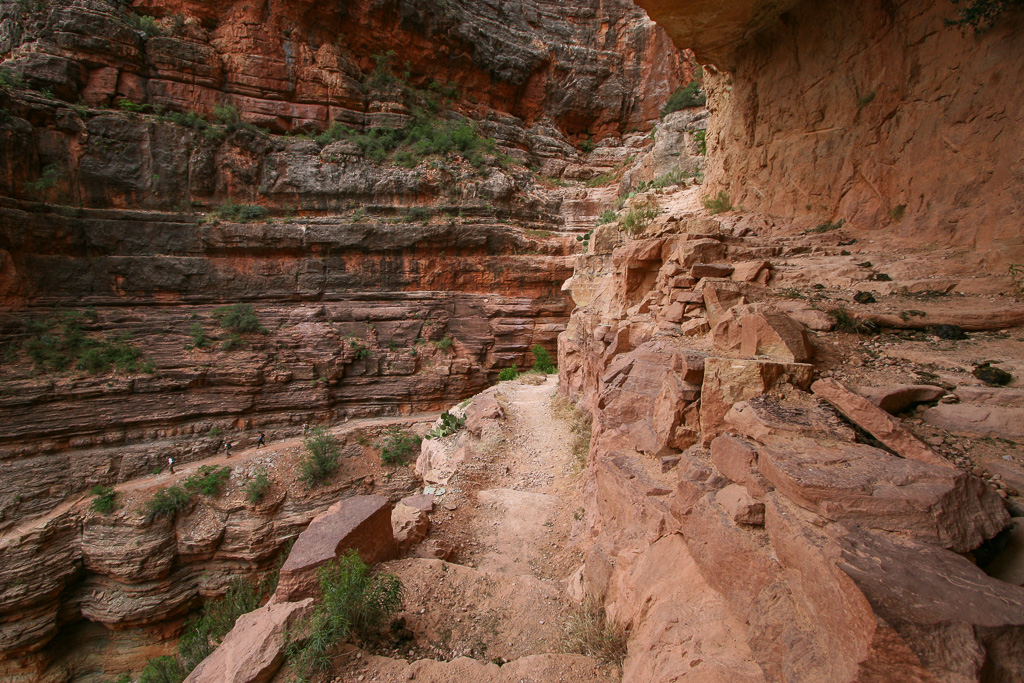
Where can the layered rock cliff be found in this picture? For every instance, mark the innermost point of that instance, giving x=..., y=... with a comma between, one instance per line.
x=876, y=113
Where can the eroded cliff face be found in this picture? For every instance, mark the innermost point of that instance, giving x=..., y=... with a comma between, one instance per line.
x=876, y=113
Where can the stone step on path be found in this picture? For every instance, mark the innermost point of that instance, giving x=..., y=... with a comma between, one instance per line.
x=505, y=599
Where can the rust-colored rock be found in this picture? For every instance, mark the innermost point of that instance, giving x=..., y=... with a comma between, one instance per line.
x=740, y=505
x=737, y=459
x=896, y=399
x=253, y=650
x=409, y=525
x=978, y=419
x=361, y=523
x=876, y=422
x=752, y=333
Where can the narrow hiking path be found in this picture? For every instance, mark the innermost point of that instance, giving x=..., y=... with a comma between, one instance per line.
x=496, y=611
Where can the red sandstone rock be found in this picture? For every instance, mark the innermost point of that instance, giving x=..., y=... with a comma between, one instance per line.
x=409, y=525
x=876, y=422
x=863, y=485
x=737, y=459
x=695, y=327
x=484, y=407
x=727, y=381
x=699, y=270
x=896, y=399
x=253, y=650
x=976, y=419
x=774, y=335
x=740, y=506
x=362, y=523
x=751, y=271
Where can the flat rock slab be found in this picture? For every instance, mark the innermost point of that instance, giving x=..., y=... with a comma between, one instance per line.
x=876, y=422
x=991, y=395
x=851, y=482
x=977, y=419
x=362, y=523
x=531, y=669
x=253, y=650
x=896, y=399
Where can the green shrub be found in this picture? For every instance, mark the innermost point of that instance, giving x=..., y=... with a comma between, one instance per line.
x=322, y=452
x=144, y=23
x=59, y=343
x=444, y=343
x=636, y=220
x=982, y=14
x=354, y=602
x=691, y=95
x=257, y=487
x=717, y=204
x=214, y=432
x=48, y=178
x=608, y=216
x=208, y=480
x=542, y=360
x=701, y=136
x=417, y=214
x=361, y=349
x=588, y=632
x=507, y=374
x=166, y=669
x=167, y=501
x=199, y=339
x=588, y=146
x=227, y=115
x=202, y=635
x=449, y=425
x=105, y=500
x=240, y=213
x=239, y=318
x=397, y=446
x=825, y=226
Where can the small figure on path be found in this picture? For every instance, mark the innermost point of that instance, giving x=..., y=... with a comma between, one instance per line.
x=170, y=464
x=227, y=448
x=305, y=428
x=260, y=440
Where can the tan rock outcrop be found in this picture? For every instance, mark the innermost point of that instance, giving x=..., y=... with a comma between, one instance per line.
x=744, y=332
x=978, y=419
x=253, y=650
x=409, y=525
x=896, y=399
x=361, y=523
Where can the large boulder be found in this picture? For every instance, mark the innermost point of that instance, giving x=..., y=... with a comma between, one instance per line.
x=362, y=523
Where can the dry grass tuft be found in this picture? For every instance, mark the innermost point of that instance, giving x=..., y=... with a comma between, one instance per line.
x=588, y=632
x=579, y=424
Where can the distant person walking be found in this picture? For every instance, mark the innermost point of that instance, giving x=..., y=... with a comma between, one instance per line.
x=227, y=448
x=260, y=443
x=170, y=464
x=305, y=428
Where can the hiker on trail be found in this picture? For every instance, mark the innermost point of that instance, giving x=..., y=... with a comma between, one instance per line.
x=170, y=464
x=227, y=448
x=305, y=428
x=259, y=441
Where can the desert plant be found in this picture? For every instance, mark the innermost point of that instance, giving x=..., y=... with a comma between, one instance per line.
x=589, y=632
x=636, y=220
x=717, y=204
x=166, y=669
x=607, y=216
x=397, y=446
x=321, y=459
x=199, y=339
x=214, y=432
x=166, y=501
x=239, y=318
x=701, y=137
x=825, y=226
x=449, y=425
x=444, y=343
x=48, y=178
x=507, y=374
x=579, y=422
x=588, y=146
x=208, y=480
x=257, y=487
x=848, y=323
x=354, y=602
x=542, y=360
x=690, y=95
x=105, y=500
x=981, y=14
x=144, y=23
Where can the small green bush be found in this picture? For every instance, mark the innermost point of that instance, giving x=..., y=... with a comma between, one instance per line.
x=353, y=602
x=717, y=204
x=321, y=460
x=145, y=23
x=507, y=374
x=239, y=213
x=257, y=487
x=417, y=214
x=239, y=318
x=825, y=226
x=701, y=136
x=214, y=432
x=397, y=446
x=167, y=501
x=542, y=360
x=449, y=425
x=444, y=343
x=166, y=669
x=588, y=146
x=588, y=632
x=208, y=480
x=48, y=178
x=608, y=216
x=105, y=500
x=691, y=95
x=199, y=339
x=982, y=14
x=636, y=220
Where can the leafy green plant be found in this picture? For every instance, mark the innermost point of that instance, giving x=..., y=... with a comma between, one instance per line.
x=214, y=432
x=257, y=487
x=238, y=213
x=701, y=137
x=417, y=214
x=166, y=669
x=144, y=23
x=444, y=343
x=690, y=95
x=397, y=446
x=717, y=204
x=239, y=318
x=361, y=349
x=897, y=212
x=542, y=360
x=321, y=459
x=449, y=425
x=866, y=99
x=167, y=501
x=105, y=500
x=636, y=220
x=354, y=602
x=607, y=216
x=588, y=146
x=825, y=226
x=59, y=343
x=48, y=178
x=199, y=339
x=981, y=14
x=507, y=374
x=208, y=480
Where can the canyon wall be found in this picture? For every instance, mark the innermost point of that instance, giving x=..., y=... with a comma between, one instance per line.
x=876, y=113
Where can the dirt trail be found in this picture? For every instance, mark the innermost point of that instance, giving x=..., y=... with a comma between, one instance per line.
x=501, y=599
